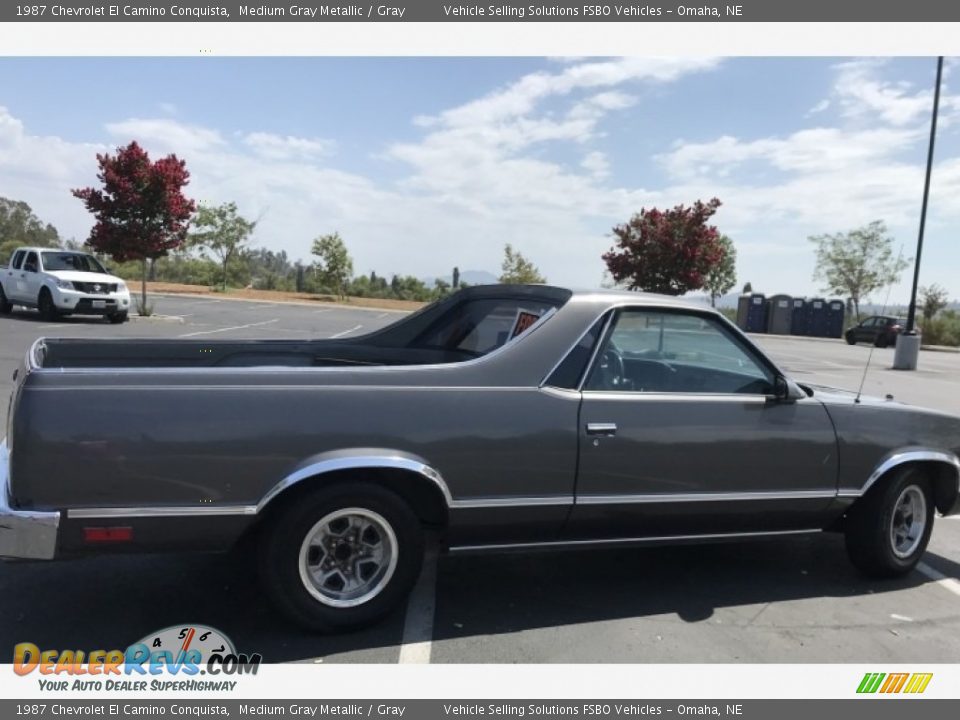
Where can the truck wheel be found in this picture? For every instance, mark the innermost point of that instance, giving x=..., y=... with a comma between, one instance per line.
x=342, y=557
x=5, y=306
x=888, y=530
x=117, y=318
x=48, y=310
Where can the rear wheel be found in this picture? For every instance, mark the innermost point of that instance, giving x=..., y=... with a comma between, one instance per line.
x=48, y=311
x=888, y=530
x=5, y=306
x=342, y=557
x=881, y=341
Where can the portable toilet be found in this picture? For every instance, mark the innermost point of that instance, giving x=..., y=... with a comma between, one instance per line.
x=835, y=313
x=779, y=314
x=743, y=309
x=756, y=313
x=798, y=321
x=817, y=317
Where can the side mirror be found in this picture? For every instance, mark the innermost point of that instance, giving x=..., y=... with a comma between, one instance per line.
x=787, y=391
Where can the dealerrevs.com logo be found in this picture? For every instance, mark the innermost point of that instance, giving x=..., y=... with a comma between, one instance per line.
x=890, y=683
x=170, y=659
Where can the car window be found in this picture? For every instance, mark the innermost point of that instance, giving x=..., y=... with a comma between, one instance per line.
x=30, y=264
x=17, y=259
x=477, y=327
x=81, y=262
x=869, y=322
x=676, y=352
x=568, y=373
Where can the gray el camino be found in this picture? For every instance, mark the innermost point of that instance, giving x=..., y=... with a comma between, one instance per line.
x=505, y=417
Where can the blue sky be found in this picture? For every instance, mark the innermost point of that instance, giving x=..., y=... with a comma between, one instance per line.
x=426, y=163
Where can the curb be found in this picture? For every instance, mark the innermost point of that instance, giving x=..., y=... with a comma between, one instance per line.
x=301, y=303
x=155, y=318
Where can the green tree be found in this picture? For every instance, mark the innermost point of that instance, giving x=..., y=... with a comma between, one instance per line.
x=222, y=231
x=19, y=226
x=855, y=263
x=335, y=267
x=516, y=269
x=723, y=275
x=933, y=299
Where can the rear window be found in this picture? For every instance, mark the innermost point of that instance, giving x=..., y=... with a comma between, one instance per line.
x=477, y=327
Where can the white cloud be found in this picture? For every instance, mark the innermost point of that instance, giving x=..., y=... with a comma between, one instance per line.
x=167, y=135
x=284, y=147
x=818, y=108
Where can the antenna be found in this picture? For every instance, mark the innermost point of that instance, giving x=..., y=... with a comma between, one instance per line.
x=883, y=311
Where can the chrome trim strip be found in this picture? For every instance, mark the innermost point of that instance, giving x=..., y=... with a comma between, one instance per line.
x=635, y=540
x=356, y=462
x=470, y=503
x=905, y=456
x=26, y=534
x=703, y=497
x=676, y=397
x=114, y=513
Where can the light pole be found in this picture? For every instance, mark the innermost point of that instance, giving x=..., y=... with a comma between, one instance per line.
x=908, y=342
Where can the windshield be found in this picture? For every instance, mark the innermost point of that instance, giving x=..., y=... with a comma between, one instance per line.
x=81, y=262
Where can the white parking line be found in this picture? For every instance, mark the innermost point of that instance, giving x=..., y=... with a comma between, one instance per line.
x=345, y=332
x=235, y=327
x=417, y=639
x=947, y=583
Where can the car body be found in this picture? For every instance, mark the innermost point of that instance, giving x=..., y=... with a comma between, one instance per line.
x=503, y=417
x=879, y=330
x=62, y=282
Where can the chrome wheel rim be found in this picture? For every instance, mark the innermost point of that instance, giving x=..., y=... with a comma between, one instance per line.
x=908, y=522
x=348, y=557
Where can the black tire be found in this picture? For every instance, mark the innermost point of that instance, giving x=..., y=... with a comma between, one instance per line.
x=871, y=544
x=48, y=310
x=850, y=338
x=5, y=306
x=284, y=557
x=117, y=318
x=881, y=341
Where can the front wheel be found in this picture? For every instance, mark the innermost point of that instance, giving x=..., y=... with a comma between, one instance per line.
x=341, y=558
x=850, y=338
x=117, y=318
x=48, y=311
x=888, y=530
x=5, y=306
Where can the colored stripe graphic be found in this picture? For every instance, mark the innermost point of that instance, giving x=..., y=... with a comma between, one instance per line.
x=918, y=683
x=870, y=682
x=894, y=683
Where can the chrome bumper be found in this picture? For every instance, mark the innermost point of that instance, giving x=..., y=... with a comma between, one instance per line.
x=24, y=534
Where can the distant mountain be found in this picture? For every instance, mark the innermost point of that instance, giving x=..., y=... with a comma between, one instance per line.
x=470, y=277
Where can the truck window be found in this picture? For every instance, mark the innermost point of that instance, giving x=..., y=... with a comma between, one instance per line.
x=17, y=259
x=71, y=261
x=30, y=264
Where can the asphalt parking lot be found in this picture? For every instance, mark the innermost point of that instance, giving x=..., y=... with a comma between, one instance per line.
x=795, y=600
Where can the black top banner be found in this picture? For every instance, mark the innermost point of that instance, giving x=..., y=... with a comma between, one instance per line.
x=850, y=11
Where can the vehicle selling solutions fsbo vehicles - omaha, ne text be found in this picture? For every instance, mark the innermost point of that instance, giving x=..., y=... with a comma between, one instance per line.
x=505, y=417
x=62, y=282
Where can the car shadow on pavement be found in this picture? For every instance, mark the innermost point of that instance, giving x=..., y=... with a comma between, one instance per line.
x=34, y=316
x=111, y=602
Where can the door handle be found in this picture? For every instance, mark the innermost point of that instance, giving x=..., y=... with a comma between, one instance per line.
x=604, y=429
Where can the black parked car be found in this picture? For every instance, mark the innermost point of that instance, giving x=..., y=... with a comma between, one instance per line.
x=881, y=330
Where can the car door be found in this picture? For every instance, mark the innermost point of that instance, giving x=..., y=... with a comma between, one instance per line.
x=680, y=435
x=12, y=281
x=868, y=329
x=30, y=279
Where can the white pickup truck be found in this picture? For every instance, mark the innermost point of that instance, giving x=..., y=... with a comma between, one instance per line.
x=62, y=282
